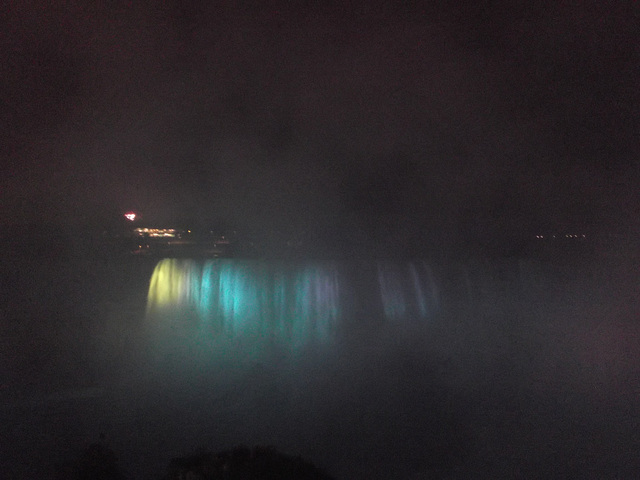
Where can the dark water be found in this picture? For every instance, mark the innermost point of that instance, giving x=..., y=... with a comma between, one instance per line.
x=370, y=369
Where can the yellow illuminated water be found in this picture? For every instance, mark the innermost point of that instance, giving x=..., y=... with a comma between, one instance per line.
x=293, y=303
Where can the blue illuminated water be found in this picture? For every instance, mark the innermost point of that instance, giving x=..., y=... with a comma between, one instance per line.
x=373, y=369
x=295, y=304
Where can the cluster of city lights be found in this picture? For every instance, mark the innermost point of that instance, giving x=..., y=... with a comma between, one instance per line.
x=155, y=232
x=560, y=236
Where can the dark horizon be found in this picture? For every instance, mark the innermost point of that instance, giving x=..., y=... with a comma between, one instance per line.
x=416, y=119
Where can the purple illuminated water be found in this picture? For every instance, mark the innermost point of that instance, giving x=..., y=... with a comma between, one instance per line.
x=378, y=369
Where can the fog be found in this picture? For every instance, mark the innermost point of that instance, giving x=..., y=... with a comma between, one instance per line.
x=460, y=368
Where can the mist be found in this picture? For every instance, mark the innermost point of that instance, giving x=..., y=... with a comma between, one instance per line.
x=430, y=225
x=370, y=369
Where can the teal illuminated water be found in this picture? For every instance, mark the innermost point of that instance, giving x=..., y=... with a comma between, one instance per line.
x=370, y=368
x=295, y=304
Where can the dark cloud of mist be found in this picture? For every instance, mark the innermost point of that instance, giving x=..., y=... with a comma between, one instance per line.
x=414, y=118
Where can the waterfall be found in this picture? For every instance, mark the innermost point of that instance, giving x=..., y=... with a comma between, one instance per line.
x=293, y=303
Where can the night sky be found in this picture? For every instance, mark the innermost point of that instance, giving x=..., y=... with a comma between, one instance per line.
x=383, y=120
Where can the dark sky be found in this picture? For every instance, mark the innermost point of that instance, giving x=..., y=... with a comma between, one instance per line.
x=450, y=118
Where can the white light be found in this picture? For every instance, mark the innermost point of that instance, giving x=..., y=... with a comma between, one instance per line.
x=130, y=216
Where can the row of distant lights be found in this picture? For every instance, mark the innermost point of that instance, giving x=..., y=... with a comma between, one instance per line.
x=566, y=236
x=156, y=232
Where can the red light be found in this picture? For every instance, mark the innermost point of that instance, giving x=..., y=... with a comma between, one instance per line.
x=130, y=216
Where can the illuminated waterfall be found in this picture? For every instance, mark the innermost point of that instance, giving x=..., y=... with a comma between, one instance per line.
x=295, y=304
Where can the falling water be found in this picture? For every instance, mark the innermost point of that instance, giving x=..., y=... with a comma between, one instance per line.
x=292, y=303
